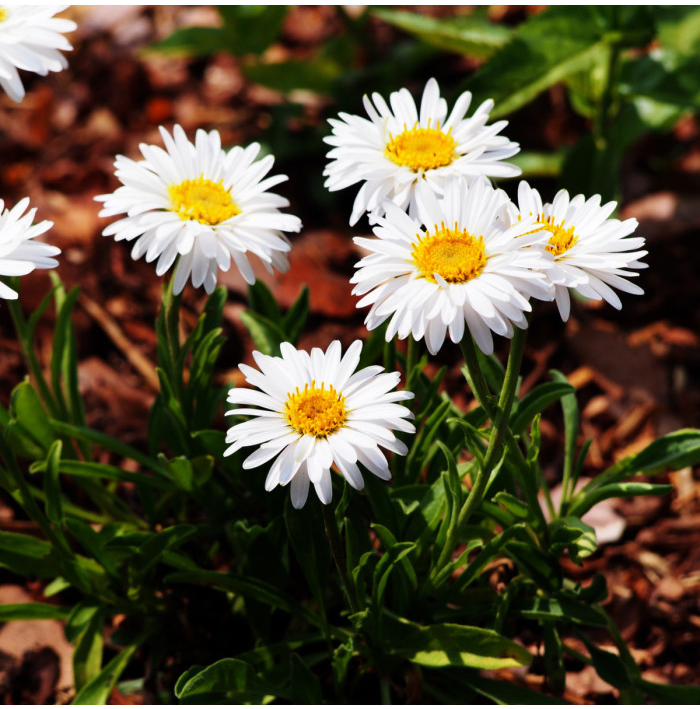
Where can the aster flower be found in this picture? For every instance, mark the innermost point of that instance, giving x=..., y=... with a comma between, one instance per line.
x=19, y=254
x=31, y=39
x=203, y=204
x=316, y=411
x=590, y=252
x=467, y=269
x=398, y=148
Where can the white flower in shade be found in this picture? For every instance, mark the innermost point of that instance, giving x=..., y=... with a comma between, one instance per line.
x=466, y=269
x=590, y=252
x=205, y=205
x=398, y=148
x=19, y=254
x=316, y=411
x=31, y=39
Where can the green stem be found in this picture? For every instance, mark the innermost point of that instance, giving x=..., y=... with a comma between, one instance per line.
x=411, y=357
x=498, y=437
x=483, y=395
x=32, y=360
x=602, y=121
x=338, y=551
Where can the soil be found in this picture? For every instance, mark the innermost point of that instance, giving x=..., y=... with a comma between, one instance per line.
x=637, y=371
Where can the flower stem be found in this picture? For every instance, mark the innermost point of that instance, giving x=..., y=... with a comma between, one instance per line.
x=483, y=395
x=338, y=551
x=32, y=360
x=499, y=433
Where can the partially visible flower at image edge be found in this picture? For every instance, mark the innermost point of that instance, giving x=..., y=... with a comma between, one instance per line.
x=400, y=147
x=316, y=411
x=203, y=204
x=19, y=253
x=31, y=39
x=590, y=251
x=465, y=269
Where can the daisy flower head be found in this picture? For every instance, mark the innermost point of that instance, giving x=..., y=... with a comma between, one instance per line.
x=203, y=204
x=400, y=147
x=467, y=269
x=31, y=38
x=19, y=253
x=316, y=411
x=591, y=253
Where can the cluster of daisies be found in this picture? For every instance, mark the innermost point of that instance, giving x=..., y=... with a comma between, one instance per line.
x=452, y=255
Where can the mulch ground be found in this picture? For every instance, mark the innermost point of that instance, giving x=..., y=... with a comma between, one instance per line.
x=637, y=371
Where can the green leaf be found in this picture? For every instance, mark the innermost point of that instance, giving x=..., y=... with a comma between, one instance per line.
x=26, y=408
x=150, y=551
x=305, y=689
x=561, y=610
x=384, y=568
x=319, y=76
x=537, y=164
x=544, y=50
x=266, y=334
x=262, y=302
x=63, y=359
x=32, y=611
x=179, y=471
x=52, y=487
x=490, y=552
x=87, y=658
x=569, y=407
x=450, y=644
x=102, y=471
x=671, y=694
x=572, y=534
x=228, y=681
x=679, y=27
x=540, y=567
x=470, y=35
x=194, y=41
x=294, y=321
x=124, y=450
x=428, y=433
x=583, y=502
x=251, y=29
x=93, y=542
x=609, y=666
x=388, y=542
x=671, y=452
x=25, y=555
x=535, y=402
x=515, y=506
x=97, y=690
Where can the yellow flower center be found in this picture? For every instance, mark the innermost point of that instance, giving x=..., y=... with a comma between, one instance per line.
x=202, y=200
x=455, y=255
x=422, y=148
x=318, y=412
x=3, y=14
x=561, y=240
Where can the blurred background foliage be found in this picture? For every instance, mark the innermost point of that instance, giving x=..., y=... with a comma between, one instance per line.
x=627, y=71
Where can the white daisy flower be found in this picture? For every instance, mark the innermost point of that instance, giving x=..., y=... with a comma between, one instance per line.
x=20, y=255
x=398, y=148
x=591, y=252
x=467, y=268
x=31, y=39
x=315, y=412
x=203, y=204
